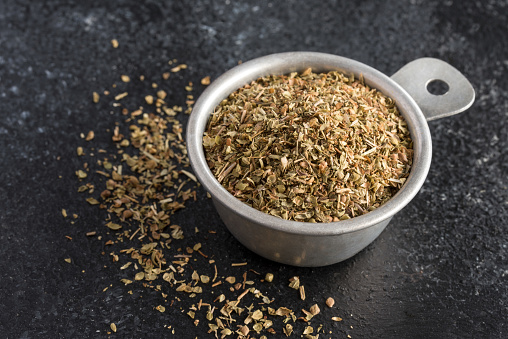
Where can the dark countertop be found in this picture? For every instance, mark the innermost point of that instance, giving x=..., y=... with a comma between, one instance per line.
x=440, y=269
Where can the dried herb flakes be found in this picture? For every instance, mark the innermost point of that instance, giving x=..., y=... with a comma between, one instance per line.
x=143, y=185
x=309, y=147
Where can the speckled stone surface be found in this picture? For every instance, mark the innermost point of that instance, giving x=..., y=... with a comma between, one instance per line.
x=440, y=269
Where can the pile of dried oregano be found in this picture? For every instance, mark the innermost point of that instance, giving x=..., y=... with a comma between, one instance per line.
x=309, y=147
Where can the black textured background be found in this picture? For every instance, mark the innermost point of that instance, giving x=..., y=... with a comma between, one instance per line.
x=440, y=270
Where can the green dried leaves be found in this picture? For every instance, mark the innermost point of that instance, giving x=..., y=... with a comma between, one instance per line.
x=309, y=147
x=113, y=226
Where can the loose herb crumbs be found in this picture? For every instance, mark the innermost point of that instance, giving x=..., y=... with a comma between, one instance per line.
x=144, y=185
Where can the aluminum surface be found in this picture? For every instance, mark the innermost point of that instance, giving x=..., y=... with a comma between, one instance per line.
x=416, y=75
x=301, y=243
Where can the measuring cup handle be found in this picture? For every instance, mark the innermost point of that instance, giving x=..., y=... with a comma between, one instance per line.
x=416, y=76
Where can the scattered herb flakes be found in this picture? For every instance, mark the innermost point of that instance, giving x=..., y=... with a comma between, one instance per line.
x=205, y=81
x=113, y=226
x=121, y=96
x=243, y=330
x=288, y=330
x=161, y=94
x=294, y=282
x=107, y=165
x=81, y=174
x=283, y=311
x=90, y=136
x=257, y=315
x=149, y=99
x=314, y=309
x=309, y=147
x=302, y=292
x=126, y=265
x=190, y=175
x=178, y=68
x=195, y=276
x=83, y=188
x=238, y=264
x=145, y=183
x=92, y=201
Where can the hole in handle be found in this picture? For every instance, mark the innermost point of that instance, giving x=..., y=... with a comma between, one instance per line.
x=437, y=87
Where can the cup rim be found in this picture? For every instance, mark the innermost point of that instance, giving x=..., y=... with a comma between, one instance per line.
x=283, y=63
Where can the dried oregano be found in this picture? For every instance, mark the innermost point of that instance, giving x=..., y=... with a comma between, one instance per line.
x=309, y=147
x=145, y=183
